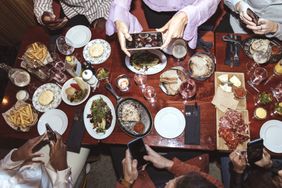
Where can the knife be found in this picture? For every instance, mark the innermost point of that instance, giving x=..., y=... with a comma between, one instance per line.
x=76, y=133
x=228, y=51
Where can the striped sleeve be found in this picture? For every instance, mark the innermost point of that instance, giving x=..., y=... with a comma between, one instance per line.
x=41, y=6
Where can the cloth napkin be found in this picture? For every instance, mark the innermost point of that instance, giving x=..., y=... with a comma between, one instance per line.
x=76, y=135
x=192, y=128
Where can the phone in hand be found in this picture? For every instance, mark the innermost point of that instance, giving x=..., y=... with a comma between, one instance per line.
x=253, y=15
x=50, y=133
x=137, y=150
x=145, y=40
x=255, y=150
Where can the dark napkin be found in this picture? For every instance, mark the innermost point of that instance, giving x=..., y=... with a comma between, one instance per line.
x=228, y=52
x=192, y=129
x=76, y=134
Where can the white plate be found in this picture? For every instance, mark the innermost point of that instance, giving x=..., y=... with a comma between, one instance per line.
x=152, y=70
x=78, y=36
x=100, y=59
x=57, y=119
x=56, y=101
x=89, y=125
x=271, y=132
x=169, y=122
x=64, y=95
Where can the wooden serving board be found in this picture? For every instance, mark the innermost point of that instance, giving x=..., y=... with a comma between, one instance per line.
x=220, y=143
x=242, y=102
x=242, y=107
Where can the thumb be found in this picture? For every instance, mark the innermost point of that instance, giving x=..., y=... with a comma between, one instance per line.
x=127, y=36
x=134, y=163
x=164, y=28
x=148, y=158
x=167, y=41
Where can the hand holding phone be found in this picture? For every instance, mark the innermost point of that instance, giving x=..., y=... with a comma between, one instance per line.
x=50, y=133
x=255, y=150
x=138, y=151
x=145, y=40
x=253, y=15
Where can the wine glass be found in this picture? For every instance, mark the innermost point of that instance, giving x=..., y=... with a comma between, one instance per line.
x=179, y=49
x=258, y=76
x=140, y=79
x=250, y=66
x=187, y=89
x=150, y=94
x=277, y=91
x=277, y=71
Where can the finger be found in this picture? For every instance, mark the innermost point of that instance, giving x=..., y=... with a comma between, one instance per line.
x=164, y=28
x=144, y=167
x=127, y=36
x=280, y=173
x=167, y=41
x=134, y=164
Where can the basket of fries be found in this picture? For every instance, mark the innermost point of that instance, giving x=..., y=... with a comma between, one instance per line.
x=21, y=116
x=37, y=55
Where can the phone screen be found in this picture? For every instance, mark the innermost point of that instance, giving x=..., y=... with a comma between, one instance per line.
x=254, y=17
x=50, y=133
x=145, y=40
x=138, y=150
x=255, y=150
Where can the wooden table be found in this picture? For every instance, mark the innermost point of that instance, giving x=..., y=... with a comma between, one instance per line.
x=116, y=66
x=255, y=124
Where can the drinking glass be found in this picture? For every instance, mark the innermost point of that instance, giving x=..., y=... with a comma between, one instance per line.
x=187, y=89
x=150, y=94
x=140, y=80
x=60, y=65
x=250, y=66
x=57, y=75
x=257, y=77
x=179, y=49
x=63, y=47
x=277, y=71
x=277, y=91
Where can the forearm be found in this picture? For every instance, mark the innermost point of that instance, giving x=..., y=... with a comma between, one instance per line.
x=8, y=163
x=60, y=179
x=120, y=11
x=197, y=14
x=41, y=6
x=232, y=4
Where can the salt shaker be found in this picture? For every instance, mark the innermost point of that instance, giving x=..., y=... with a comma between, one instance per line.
x=90, y=78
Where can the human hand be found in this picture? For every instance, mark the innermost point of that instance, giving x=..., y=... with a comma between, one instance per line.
x=53, y=23
x=241, y=7
x=123, y=35
x=266, y=161
x=174, y=28
x=239, y=161
x=264, y=27
x=129, y=166
x=156, y=159
x=25, y=152
x=58, y=154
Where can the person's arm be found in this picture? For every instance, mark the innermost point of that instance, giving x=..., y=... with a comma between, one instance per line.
x=232, y=4
x=41, y=6
x=7, y=163
x=197, y=14
x=120, y=11
x=61, y=178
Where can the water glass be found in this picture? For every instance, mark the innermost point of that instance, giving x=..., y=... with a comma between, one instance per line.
x=179, y=49
x=258, y=76
x=140, y=80
x=150, y=94
x=57, y=75
x=277, y=91
x=187, y=89
x=63, y=47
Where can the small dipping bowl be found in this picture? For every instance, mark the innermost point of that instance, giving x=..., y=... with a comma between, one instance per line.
x=123, y=82
x=239, y=92
x=22, y=95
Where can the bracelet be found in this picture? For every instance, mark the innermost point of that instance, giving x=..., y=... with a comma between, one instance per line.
x=125, y=183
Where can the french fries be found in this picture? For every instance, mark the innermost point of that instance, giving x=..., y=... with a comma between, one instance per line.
x=36, y=52
x=21, y=117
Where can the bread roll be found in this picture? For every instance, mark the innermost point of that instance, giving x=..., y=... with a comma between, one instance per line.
x=46, y=97
x=96, y=50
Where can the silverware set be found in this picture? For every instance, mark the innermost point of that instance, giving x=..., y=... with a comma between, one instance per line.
x=232, y=49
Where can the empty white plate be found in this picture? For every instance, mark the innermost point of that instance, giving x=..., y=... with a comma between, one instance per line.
x=78, y=36
x=57, y=119
x=271, y=132
x=169, y=122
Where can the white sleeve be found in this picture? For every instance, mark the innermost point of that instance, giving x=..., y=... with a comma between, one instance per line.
x=231, y=4
x=41, y=6
x=7, y=163
x=60, y=179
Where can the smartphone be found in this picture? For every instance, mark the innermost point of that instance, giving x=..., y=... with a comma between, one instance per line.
x=253, y=15
x=145, y=40
x=255, y=150
x=137, y=150
x=50, y=133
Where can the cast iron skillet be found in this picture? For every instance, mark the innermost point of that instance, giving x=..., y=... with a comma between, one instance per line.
x=145, y=115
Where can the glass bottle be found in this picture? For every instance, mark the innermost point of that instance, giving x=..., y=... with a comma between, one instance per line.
x=18, y=76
